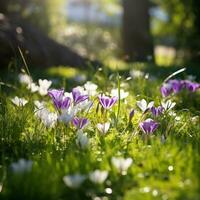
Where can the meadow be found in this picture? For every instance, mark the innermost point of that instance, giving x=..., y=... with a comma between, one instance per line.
x=100, y=134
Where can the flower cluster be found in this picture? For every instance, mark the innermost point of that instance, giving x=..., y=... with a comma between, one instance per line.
x=177, y=85
x=98, y=176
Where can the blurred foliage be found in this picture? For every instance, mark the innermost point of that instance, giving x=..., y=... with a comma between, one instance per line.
x=180, y=28
x=48, y=15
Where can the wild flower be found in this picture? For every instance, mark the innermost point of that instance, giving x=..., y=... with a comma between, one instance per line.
x=39, y=104
x=82, y=140
x=19, y=101
x=156, y=111
x=59, y=100
x=176, y=86
x=121, y=164
x=80, y=123
x=107, y=102
x=48, y=118
x=123, y=94
x=148, y=126
x=67, y=116
x=91, y=88
x=84, y=106
x=78, y=96
x=33, y=87
x=44, y=85
x=131, y=115
x=103, y=128
x=74, y=181
x=98, y=176
x=21, y=166
x=166, y=89
x=144, y=106
x=25, y=79
x=168, y=105
x=136, y=73
x=191, y=86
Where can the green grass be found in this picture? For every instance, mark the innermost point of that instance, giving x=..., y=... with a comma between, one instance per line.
x=161, y=169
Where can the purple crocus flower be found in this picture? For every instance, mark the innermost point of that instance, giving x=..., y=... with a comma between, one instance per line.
x=80, y=123
x=131, y=114
x=148, y=126
x=58, y=98
x=166, y=89
x=191, y=86
x=107, y=102
x=78, y=97
x=156, y=111
x=176, y=85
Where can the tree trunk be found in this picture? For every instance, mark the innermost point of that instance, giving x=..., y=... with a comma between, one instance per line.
x=137, y=41
x=41, y=51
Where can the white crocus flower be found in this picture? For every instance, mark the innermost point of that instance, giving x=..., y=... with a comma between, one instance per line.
x=168, y=105
x=48, y=118
x=67, y=115
x=33, y=87
x=81, y=89
x=98, y=176
x=19, y=101
x=123, y=94
x=91, y=88
x=83, y=106
x=21, y=166
x=136, y=73
x=122, y=164
x=74, y=181
x=25, y=79
x=103, y=128
x=144, y=106
x=44, y=85
x=82, y=140
x=39, y=104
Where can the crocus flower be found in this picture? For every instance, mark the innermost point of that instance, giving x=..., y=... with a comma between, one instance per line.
x=19, y=101
x=176, y=85
x=74, y=181
x=144, y=106
x=25, y=79
x=91, y=88
x=131, y=114
x=98, y=176
x=191, y=86
x=148, y=126
x=168, y=105
x=33, y=87
x=44, y=85
x=78, y=96
x=156, y=111
x=123, y=94
x=80, y=123
x=136, y=73
x=166, y=89
x=107, y=102
x=21, y=166
x=48, y=118
x=82, y=140
x=59, y=100
x=103, y=128
x=121, y=164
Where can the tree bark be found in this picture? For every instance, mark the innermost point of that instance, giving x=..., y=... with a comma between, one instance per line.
x=137, y=41
x=40, y=50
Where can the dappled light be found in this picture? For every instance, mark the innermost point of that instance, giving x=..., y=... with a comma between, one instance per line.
x=99, y=100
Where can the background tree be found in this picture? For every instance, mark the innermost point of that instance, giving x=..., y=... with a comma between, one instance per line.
x=137, y=40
